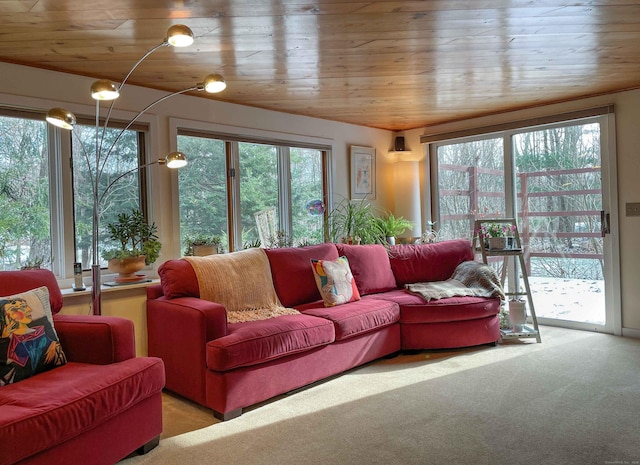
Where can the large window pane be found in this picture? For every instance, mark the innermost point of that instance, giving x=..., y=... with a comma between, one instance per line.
x=25, y=231
x=203, y=189
x=120, y=195
x=559, y=188
x=273, y=196
x=259, y=208
x=307, y=205
x=470, y=185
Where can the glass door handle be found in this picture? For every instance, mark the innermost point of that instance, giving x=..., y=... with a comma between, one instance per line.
x=605, y=227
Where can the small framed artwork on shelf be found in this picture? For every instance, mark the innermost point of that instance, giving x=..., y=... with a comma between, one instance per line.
x=363, y=172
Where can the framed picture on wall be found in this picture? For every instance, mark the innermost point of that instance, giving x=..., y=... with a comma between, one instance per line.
x=363, y=172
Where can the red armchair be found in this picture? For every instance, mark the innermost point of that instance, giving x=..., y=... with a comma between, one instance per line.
x=98, y=408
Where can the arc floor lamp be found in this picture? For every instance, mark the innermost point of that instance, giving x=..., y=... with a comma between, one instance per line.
x=178, y=35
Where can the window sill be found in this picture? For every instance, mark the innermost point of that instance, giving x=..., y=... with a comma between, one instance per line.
x=69, y=292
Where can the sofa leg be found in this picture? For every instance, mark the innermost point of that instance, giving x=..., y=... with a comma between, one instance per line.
x=149, y=446
x=227, y=415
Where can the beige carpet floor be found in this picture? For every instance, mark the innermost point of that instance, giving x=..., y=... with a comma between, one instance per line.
x=573, y=399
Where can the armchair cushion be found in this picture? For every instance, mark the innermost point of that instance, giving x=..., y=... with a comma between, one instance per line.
x=28, y=341
x=96, y=339
x=46, y=410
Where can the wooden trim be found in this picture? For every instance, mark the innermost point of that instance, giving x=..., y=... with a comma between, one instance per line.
x=252, y=139
x=520, y=124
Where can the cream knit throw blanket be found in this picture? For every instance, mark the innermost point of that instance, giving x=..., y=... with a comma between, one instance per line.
x=241, y=281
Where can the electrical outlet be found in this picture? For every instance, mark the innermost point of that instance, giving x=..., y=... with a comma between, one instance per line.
x=632, y=209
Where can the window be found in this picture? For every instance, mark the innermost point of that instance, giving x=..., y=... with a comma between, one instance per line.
x=307, y=195
x=470, y=185
x=259, y=207
x=203, y=189
x=25, y=213
x=251, y=193
x=43, y=221
x=120, y=194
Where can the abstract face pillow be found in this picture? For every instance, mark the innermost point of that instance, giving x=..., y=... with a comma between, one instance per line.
x=28, y=342
x=335, y=281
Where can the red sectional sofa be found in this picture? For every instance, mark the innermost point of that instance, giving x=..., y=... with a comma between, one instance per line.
x=98, y=408
x=230, y=366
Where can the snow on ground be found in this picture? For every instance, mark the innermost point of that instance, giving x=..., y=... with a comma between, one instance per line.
x=569, y=299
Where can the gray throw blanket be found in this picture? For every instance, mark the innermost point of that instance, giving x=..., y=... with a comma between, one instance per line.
x=469, y=279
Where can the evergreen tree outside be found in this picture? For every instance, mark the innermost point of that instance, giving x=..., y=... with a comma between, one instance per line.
x=203, y=192
x=25, y=231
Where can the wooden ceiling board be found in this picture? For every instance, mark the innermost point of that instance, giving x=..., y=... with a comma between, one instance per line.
x=390, y=64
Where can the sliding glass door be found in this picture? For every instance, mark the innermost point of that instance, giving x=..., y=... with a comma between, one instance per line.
x=555, y=180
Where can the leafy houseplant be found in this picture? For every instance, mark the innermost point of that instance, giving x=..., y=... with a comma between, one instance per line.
x=136, y=238
x=202, y=244
x=355, y=223
x=393, y=226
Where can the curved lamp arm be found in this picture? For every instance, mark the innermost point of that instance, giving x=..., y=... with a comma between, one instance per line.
x=173, y=160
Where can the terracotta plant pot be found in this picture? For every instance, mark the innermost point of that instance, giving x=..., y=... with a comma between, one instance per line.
x=126, y=267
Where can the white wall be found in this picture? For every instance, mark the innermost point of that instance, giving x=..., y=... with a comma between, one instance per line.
x=627, y=117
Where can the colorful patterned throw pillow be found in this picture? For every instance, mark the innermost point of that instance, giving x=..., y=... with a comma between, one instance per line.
x=28, y=341
x=335, y=281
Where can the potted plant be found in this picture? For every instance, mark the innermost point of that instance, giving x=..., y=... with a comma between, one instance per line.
x=393, y=226
x=496, y=234
x=138, y=244
x=202, y=244
x=354, y=222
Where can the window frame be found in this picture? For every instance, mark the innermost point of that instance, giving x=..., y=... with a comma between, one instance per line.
x=142, y=134
x=232, y=135
x=59, y=141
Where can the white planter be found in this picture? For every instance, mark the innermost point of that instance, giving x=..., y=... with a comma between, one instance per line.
x=517, y=314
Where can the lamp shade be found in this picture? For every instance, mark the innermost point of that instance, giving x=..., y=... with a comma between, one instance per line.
x=214, y=83
x=62, y=118
x=103, y=89
x=176, y=160
x=179, y=35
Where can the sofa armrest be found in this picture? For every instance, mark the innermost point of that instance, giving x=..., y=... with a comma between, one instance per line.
x=98, y=340
x=178, y=331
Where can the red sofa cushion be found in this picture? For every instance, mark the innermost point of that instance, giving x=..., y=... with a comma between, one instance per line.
x=53, y=407
x=292, y=273
x=415, y=310
x=355, y=318
x=257, y=342
x=370, y=267
x=418, y=263
x=178, y=279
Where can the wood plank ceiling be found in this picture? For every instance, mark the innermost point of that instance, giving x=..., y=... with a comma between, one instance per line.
x=388, y=64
